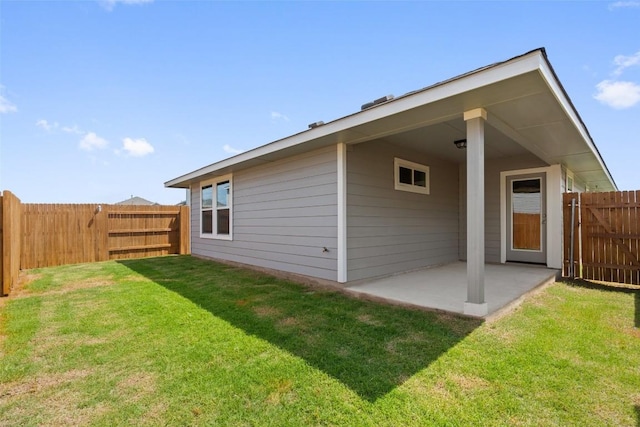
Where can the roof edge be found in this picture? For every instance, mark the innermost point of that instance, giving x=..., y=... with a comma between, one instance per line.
x=387, y=108
x=590, y=141
x=183, y=181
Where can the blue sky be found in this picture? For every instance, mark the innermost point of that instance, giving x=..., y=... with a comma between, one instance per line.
x=100, y=100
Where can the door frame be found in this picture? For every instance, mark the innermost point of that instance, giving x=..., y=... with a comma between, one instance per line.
x=531, y=256
x=553, y=210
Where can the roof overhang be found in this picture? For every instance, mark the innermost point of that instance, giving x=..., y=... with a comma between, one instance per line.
x=523, y=98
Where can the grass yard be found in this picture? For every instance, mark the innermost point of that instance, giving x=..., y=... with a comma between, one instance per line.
x=182, y=341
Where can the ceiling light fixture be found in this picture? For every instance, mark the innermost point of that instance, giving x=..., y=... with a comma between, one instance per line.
x=460, y=143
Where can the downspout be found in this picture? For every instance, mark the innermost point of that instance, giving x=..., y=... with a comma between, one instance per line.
x=571, y=245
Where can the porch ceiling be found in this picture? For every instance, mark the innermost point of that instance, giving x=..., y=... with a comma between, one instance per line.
x=523, y=116
x=438, y=140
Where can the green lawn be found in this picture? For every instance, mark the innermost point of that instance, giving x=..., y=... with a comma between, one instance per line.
x=182, y=341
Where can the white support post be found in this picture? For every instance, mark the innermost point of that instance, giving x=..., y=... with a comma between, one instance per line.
x=475, y=304
x=342, y=213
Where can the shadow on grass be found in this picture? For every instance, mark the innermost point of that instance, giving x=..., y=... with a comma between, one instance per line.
x=371, y=348
x=613, y=287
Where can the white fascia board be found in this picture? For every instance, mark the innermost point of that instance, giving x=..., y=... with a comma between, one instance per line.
x=559, y=93
x=256, y=153
x=455, y=86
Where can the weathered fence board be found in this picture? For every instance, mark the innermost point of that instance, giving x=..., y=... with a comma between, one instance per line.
x=134, y=231
x=609, y=236
x=54, y=234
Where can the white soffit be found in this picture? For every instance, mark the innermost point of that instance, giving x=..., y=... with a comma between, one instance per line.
x=606, y=181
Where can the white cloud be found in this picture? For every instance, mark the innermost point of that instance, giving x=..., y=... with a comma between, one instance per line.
x=624, y=4
x=72, y=129
x=623, y=62
x=91, y=142
x=50, y=127
x=230, y=150
x=43, y=124
x=618, y=95
x=279, y=116
x=137, y=147
x=6, y=106
x=110, y=4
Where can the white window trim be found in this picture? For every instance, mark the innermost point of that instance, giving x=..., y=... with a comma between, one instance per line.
x=569, y=176
x=214, y=182
x=397, y=163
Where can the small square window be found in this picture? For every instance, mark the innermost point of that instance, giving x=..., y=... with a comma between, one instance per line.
x=412, y=177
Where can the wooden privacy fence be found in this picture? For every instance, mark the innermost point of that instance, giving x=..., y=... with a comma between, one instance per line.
x=46, y=235
x=606, y=236
x=68, y=234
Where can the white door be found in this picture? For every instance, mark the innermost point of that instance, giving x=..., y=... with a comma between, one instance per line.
x=526, y=218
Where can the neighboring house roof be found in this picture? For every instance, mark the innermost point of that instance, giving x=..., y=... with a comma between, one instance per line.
x=525, y=102
x=138, y=201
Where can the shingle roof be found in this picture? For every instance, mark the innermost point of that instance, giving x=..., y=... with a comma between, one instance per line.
x=135, y=200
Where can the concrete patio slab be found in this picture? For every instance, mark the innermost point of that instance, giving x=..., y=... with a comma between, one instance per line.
x=445, y=287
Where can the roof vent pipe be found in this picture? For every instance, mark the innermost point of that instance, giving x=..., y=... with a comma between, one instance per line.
x=376, y=102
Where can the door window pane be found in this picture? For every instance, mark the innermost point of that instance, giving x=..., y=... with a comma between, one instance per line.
x=526, y=208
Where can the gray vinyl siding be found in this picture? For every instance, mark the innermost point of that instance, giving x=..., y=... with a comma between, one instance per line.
x=284, y=214
x=391, y=231
x=492, y=170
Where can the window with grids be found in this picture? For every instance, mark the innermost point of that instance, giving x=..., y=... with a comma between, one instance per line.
x=411, y=176
x=216, y=209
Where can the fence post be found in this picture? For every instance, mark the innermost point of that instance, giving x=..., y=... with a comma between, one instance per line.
x=101, y=232
x=11, y=240
x=185, y=230
x=1, y=248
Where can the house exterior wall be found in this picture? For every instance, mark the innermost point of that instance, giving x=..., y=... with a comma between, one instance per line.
x=284, y=215
x=391, y=231
x=492, y=170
